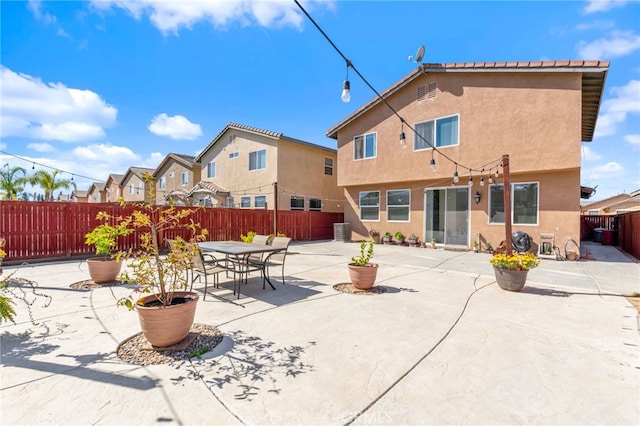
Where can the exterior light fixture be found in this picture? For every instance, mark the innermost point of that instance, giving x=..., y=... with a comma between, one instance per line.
x=476, y=197
x=490, y=179
x=470, y=180
x=455, y=175
x=403, y=140
x=346, y=92
x=481, y=181
x=432, y=163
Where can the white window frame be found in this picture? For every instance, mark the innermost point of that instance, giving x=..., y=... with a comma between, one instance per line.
x=163, y=182
x=434, y=136
x=368, y=206
x=407, y=206
x=243, y=199
x=328, y=167
x=513, y=190
x=131, y=187
x=256, y=154
x=185, y=178
x=139, y=188
x=211, y=169
x=364, y=148
x=255, y=202
x=594, y=212
x=234, y=154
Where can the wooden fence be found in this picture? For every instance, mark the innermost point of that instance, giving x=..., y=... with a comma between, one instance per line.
x=54, y=230
x=626, y=227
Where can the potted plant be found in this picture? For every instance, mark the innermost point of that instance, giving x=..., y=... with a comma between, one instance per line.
x=488, y=247
x=433, y=243
x=104, y=268
x=2, y=252
x=386, y=238
x=475, y=246
x=361, y=271
x=413, y=240
x=511, y=269
x=398, y=238
x=375, y=236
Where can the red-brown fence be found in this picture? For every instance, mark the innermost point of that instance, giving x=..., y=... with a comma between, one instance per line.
x=47, y=230
x=626, y=227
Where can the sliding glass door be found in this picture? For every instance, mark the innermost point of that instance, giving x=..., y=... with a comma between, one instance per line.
x=447, y=216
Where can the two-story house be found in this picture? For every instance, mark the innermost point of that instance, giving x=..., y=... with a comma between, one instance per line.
x=174, y=177
x=254, y=168
x=134, y=186
x=96, y=193
x=442, y=180
x=113, y=188
x=621, y=203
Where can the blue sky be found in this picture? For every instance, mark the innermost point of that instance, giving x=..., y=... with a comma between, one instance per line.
x=93, y=88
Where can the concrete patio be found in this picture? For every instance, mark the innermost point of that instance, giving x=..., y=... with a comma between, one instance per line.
x=443, y=345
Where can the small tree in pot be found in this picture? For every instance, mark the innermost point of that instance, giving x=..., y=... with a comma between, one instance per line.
x=104, y=268
x=361, y=271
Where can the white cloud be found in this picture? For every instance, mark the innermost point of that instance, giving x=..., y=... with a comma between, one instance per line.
x=594, y=6
x=589, y=154
x=171, y=16
x=176, y=127
x=41, y=147
x=634, y=140
x=598, y=24
x=33, y=109
x=618, y=43
x=614, y=110
x=35, y=6
x=608, y=170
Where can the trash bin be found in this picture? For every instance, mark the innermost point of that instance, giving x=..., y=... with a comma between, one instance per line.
x=342, y=232
x=607, y=237
x=597, y=235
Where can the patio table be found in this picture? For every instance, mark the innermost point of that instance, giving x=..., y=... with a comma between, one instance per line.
x=239, y=251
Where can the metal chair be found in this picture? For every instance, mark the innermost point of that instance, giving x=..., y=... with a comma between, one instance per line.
x=204, y=265
x=278, y=258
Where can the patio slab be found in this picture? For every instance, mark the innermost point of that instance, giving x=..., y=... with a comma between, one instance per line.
x=442, y=345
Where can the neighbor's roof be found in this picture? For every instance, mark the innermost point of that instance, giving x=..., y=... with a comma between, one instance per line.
x=205, y=186
x=255, y=130
x=593, y=77
x=186, y=160
x=117, y=179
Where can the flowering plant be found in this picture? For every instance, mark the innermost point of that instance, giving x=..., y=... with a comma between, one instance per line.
x=2, y=252
x=515, y=261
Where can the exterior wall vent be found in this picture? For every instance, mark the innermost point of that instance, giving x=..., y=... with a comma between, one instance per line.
x=422, y=92
x=432, y=90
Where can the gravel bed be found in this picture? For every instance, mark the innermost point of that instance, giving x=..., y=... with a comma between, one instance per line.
x=351, y=289
x=135, y=350
x=89, y=284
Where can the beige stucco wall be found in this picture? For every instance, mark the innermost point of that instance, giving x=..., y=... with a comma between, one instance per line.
x=95, y=196
x=140, y=191
x=113, y=191
x=535, y=118
x=301, y=174
x=172, y=170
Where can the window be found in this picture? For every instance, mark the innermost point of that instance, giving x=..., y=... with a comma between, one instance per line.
x=234, y=155
x=370, y=205
x=131, y=187
x=260, y=202
x=297, y=203
x=398, y=205
x=315, y=204
x=440, y=132
x=139, y=187
x=185, y=178
x=365, y=146
x=245, y=202
x=594, y=212
x=172, y=174
x=524, y=204
x=229, y=202
x=211, y=169
x=328, y=166
x=258, y=159
x=163, y=182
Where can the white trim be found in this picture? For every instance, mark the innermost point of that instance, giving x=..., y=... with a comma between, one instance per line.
x=364, y=136
x=360, y=207
x=408, y=205
x=537, y=223
x=435, y=135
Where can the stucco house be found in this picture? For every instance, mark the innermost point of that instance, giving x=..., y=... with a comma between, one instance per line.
x=537, y=113
x=113, y=188
x=621, y=203
x=174, y=177
x=96, y=193
x=134, y=187
x=254, y=168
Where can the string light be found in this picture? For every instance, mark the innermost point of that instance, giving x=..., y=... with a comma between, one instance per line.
x=470, y=179
x=346, y=86
x=403, y=139
x=455, y=175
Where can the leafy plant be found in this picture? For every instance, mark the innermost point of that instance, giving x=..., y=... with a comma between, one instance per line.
x=104, y=236
x=365, y=254
x=2, y=252
x=399, y=235
x=387, y=234
x=248, y=238
x=198, y=352
x=515, y=261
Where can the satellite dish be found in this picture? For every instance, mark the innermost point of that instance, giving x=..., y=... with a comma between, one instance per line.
x=419, y=55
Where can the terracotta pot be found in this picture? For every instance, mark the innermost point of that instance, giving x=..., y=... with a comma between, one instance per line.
x=103, y=269
x=363, y=277
x=166, y=326
x=510, y=279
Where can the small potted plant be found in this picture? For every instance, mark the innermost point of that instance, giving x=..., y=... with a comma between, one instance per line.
x=361, y=271
x=2, y=252
x=386, y=238
x=104, y=268
x=375, y=236
x=398, y=238
x=474, y=244
x=488, y=247
x=511, y=269
x=413, y=240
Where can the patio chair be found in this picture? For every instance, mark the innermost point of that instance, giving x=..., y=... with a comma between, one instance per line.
x=273, y=259
x=204, y=265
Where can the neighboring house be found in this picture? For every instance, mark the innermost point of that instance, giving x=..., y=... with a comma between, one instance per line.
x=174, y=177
x=113, y=188
x=538, y=113
x=80, y=196
x=243, y=164
x=621, y=203
x=134, y=187
x=96, y=193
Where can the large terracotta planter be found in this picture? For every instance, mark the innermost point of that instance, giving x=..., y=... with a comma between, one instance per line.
x=509, y=279
x=103, y=269
x=363, y=277
x=166, y=326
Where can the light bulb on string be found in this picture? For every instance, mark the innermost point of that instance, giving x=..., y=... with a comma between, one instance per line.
x=455, y=175
x=432, y=163
x=470, y=180
x=403, y=139
x=482, y=177
x=346, y=87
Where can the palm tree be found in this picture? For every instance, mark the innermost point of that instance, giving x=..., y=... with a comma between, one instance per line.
x=11, y=184
x=47, y=181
